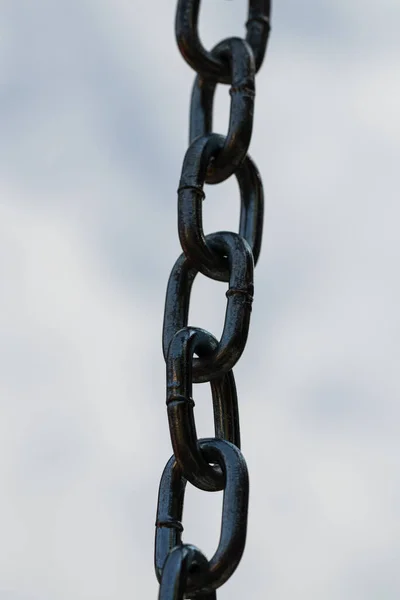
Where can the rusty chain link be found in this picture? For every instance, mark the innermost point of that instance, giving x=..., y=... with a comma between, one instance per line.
x=214, y=463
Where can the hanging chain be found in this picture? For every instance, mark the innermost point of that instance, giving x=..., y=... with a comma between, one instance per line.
x=217, y=463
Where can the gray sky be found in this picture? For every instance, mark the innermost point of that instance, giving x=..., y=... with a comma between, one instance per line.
x=94, y=100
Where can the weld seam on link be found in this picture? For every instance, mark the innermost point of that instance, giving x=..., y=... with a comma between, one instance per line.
x=179, y=399
x=196, y=189
x=240, y=291
x=170, y=524
x=259, y=19
x=242, y=89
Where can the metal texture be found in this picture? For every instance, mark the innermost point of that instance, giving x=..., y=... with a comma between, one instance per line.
x=238, y=54
x=202, y=61
x=238, y=309
x=193, y=355
x=180, y=406
x=233, y=522
x=180, y=562
x=190, y=207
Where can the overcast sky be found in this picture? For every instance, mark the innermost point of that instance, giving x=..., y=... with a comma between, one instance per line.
x=94, y=101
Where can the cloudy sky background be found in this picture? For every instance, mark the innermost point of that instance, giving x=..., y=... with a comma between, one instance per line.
x=94, y=101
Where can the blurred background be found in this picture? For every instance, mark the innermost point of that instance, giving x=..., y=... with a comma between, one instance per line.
x=94, y=101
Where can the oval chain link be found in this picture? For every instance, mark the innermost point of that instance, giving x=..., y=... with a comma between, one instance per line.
x=238, y=54
x=202, y=61
x=232, y=540
x=180, y=406
x=214, y=463
x=190, y=207
x=238, y=309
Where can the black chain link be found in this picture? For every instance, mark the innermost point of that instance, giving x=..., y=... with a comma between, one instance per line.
x=187, y=37
x=238, y=54
x=215, y=463
x=233, y=522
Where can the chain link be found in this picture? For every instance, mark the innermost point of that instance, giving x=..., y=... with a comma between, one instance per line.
x=190, y=205
x=233, y=522
x=238, y=54
x=214, y=463
x=202, y=61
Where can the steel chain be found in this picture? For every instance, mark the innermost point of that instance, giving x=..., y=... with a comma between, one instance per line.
x=215, y=463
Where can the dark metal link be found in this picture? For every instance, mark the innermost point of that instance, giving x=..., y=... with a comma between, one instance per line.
x=202, y=61
x=240, y=58
x=180, y=405
x=181, y=561
x=238, y=310
x=190, y=207
x=233, y=522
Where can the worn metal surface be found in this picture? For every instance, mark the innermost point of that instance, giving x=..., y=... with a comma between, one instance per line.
x=180, y=562
x=233, y=519
x=214, y=463
x=240, y=58
x=190, y=207
x=202, y=61
x=180, y=406
x=238, y=309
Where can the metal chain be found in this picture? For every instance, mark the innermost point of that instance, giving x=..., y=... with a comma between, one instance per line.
x=217, y=463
